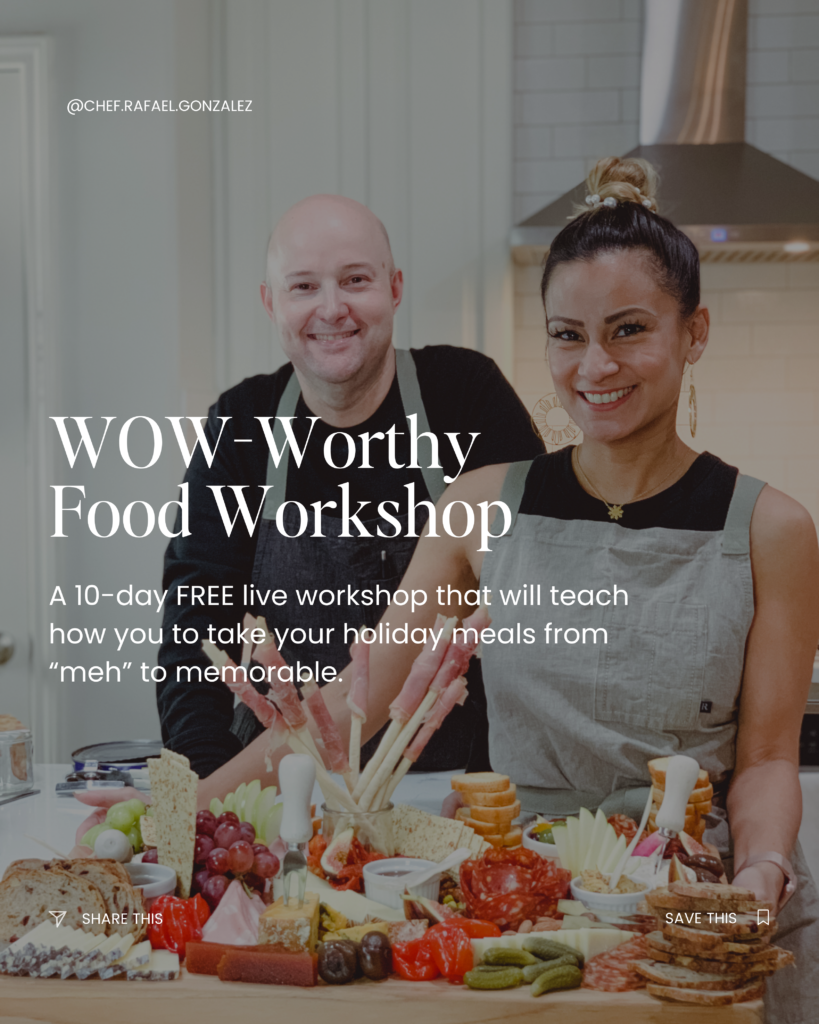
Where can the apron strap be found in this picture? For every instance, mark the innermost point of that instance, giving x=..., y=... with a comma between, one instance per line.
x=514, y=485
x=413, y=403
x=277, y=475
x=736, y=537
x=411, y=400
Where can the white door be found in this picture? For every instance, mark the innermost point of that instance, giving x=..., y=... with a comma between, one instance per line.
x=15, y=515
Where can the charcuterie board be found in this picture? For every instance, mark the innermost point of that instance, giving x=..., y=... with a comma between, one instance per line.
x=201, y=999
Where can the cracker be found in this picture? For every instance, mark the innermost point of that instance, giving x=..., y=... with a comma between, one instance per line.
x=173, y=795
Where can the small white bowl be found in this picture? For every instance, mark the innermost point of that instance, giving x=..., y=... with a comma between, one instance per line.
x=391, y=895
x=548, y=850
x=609, y=902
x=154, y=880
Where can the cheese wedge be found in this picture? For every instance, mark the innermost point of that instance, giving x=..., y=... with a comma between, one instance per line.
x=163, y=966
x=136, y=957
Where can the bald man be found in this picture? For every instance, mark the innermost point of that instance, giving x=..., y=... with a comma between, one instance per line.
x=332, y=290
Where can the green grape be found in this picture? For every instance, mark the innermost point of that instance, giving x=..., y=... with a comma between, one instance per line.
x=120, y=816
x=90, y=836
x=137, y=806
x=134, y=837
x=150, y=812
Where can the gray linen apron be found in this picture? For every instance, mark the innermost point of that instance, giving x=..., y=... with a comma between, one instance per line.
x=333, y=562
x=574, y=723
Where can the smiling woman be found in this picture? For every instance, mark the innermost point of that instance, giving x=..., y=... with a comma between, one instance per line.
x=712, y=654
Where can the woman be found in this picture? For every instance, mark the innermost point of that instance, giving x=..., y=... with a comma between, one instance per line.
x=712, y=653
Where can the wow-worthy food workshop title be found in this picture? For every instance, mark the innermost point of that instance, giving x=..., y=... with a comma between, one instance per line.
x=340, y=451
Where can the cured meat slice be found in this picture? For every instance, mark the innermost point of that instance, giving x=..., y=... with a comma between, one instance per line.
x=614, y=971
x=511, y=886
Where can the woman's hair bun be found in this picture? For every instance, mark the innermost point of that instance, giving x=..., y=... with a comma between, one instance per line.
x=624, y=179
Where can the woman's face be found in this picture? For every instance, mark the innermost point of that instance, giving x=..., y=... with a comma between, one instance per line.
x=617, y=345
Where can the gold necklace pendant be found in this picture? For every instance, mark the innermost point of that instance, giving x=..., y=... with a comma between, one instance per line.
x=615, y=511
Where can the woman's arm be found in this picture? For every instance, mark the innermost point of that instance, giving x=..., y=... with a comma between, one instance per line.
x=441, y=561
x=765, y=799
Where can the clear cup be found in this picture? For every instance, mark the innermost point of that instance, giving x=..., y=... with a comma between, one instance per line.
x=16, y=764
x=373, y=829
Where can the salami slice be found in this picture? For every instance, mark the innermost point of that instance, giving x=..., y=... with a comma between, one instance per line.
x=512, y=886
x=613, y=971
x=623, y=826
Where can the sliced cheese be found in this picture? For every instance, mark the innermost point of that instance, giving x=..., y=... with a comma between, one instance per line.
x=608, y=844
x=137, y=956
x=114, y=948
x=86, y=945
x=616, y=855
x=573, y=845
x=595, y=842
x=162, y=966
x=585, y=828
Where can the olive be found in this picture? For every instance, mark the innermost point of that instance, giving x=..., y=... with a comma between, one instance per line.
x=338, y=961
x=375, y=955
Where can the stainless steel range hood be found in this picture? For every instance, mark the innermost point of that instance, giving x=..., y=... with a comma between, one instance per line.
x=734, y=201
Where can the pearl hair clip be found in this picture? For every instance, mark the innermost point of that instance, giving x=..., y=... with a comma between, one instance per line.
x=594, y=201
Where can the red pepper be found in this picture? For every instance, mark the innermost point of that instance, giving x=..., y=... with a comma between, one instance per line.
x=181, y=922
x=412, y=961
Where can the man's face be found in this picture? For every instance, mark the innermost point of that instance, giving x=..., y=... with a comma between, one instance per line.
x=332, y=290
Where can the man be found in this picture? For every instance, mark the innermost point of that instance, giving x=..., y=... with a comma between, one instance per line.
x=332, y=290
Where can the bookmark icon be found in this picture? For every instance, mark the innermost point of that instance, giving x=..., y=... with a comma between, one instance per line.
x=58, y=916
x=763, y=917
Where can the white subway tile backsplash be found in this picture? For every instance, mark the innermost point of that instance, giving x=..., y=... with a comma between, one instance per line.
x=572, y=107
x=769, y=66
x=784, y=32
x=533, y=40
x=529, y=311
x=730, y=340
x=792, y=100
x=536, y=74
x=527, y=204
x=620, y=72
x=781, y=7
x=601, y=37
x=539, y=175
x=785, y=340
x=527, y=279
x=732, y=373
x=772, y=440
x=761, y=306
x=804, y=65
x=630, y=105
x=593, y=140
x=533, y=142
x=532, y=11
x=717, y=276
x=803, y=275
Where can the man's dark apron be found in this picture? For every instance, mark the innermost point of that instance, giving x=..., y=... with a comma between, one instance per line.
x=333, y=563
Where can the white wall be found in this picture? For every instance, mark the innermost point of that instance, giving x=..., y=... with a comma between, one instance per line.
x=121, y=309
x=404, y=105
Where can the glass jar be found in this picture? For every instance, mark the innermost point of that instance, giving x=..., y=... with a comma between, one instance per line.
x=16, y=767
x=373, y=829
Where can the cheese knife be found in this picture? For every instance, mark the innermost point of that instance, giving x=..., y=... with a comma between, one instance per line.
x=297, y=775
x=680, y=778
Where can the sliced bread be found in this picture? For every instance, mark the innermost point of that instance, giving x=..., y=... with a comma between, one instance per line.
x=671, y=898
x=657, y=767
x=480, y=782
x=27, y=896
x=503, y=798
x=743, y=926
x=725, y=951
x=498, y=815
x=29, y=863
x=750, y=990
x=124, y=904
x=683, y=977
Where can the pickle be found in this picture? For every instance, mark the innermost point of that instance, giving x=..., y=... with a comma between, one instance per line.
x=548, y=949
x=510, y=977
x=561, y=977
x=490, y=968
x=505, y=956
x=535, y=970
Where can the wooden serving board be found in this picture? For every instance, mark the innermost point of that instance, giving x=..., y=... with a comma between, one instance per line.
x=199, y=999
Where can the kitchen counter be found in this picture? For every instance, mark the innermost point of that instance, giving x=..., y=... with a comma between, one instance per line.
x=201, y=1000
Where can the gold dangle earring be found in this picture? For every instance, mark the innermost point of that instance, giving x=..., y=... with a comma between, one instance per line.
x=553, y=423
x=692, y=405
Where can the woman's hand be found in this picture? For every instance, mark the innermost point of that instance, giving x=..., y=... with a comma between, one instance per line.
x=766, y=881
x=451, y=803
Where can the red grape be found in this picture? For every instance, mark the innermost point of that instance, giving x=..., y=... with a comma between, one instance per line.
x=240, y=857
x=226, y=835
x=202, y=848
x=205, y=823
x=214, y=889
x=265, y=864
x=248, y=832
x=199, y=880
x=218, y=861
x=259, y=848
x=254, y=881
x=150, y=856
x=227, y=816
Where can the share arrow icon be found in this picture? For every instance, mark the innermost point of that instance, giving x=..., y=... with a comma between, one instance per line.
x=58, y=916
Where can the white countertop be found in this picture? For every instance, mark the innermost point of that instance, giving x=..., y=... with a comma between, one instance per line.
x=55, y=819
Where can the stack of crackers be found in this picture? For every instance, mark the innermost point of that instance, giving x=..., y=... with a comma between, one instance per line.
x=699, y=803
x=713, y=948
x=173, y=797
x=491, y=806
x=430, y=837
